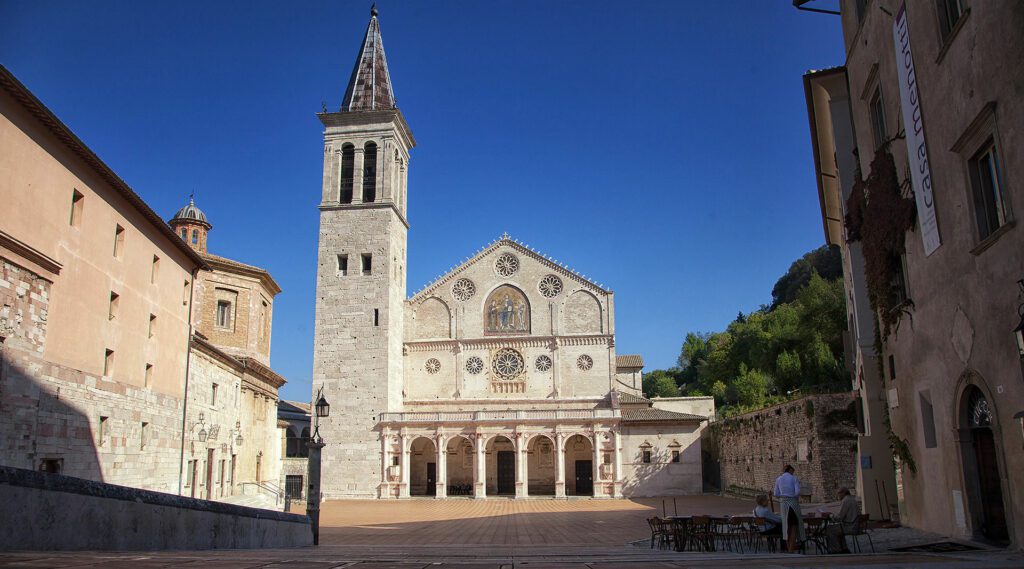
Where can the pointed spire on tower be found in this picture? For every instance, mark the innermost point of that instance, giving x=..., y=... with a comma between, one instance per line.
x=369, y=88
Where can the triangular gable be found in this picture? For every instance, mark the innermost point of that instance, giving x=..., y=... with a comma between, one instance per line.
x=506, y=241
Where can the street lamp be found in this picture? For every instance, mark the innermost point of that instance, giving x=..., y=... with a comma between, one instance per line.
x=320, y=409
x=238, y=433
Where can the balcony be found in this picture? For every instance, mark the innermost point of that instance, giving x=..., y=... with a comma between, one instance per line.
x=531, y=415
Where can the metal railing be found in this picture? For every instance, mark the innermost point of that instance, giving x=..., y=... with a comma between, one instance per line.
x=509, y=415
x=264, y=487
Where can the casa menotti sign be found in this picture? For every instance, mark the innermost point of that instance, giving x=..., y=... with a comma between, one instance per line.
x=913, y=126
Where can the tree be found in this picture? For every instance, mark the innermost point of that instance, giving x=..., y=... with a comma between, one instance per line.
x=660, y=383
x=825, y=261
x=751, y=387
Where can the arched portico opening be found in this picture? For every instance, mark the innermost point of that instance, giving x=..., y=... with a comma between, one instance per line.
x=460, y=466
x=540, y=466
x=422, y=467
x=501, y=467
x=579, y=466
x=979, y=453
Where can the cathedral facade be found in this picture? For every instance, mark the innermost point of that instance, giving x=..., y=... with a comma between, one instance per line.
x=499, y=378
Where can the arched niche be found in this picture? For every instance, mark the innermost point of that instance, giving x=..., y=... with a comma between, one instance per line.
x=582, y=313
x=506, y=311
x=433, y=319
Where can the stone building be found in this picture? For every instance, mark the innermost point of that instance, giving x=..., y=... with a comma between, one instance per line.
x=816, y=434
x=499, y=378
x=936, y=85
x=94, y=310
x=294, y=422
x=231, y=434
x=101, y=375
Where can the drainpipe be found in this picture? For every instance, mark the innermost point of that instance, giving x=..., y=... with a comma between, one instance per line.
x=188, y=362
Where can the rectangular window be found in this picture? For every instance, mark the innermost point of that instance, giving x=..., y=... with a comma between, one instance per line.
x=367, y=263
x=152, y=325
x=899, y=282
x=927, y=419
x=118, y=241
x=77, y=201
x=108, y=362
x=950, y=12
x=892, y=367
x=646, y=457
x=149, y=375
x=213, y=395
x=675, y=456
x=155, y=270
x=104, y=426
x=115, y=301
x=223, y=314
x=343, y=265
x=986, y=186
x=878, y=118
x=190, y=473
x=143, y=436
x=394, y=460
x=376, y=317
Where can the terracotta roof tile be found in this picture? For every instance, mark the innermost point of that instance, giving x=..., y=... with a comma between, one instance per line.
x=651, y=415
x=629, y=398
x=629, y=360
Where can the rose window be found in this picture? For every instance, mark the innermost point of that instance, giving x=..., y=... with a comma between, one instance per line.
x=506, y=265
x=543, y=363
x=474, y=365
x=463, y=290
x=550, y=286
x=433, y=366
x=585, y=362
x=507, y=363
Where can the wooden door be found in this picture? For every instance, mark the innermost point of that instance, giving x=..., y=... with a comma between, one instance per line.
x=209, y=474
x=584, y=478
x=994, y=525
x=431, y=479
x=231, y=484
x=506, y=472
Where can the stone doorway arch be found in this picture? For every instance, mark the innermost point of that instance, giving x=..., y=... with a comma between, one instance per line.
x=541, y=468
x=501, y=466
x=980, y=457
x=461, y=459
x=423, y=470
x=579, y=466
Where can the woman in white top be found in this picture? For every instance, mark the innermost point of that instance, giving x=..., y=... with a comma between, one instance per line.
x=787, y=490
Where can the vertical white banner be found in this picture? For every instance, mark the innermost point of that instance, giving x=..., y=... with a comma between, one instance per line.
x=913, y=126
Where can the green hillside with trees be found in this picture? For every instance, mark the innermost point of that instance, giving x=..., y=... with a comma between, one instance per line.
x=792, y=346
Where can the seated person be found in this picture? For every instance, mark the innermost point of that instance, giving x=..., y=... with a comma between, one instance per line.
x=773, y=522
x=844, y=523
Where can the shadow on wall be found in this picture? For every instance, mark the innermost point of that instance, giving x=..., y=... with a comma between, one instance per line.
x=646, y=472
x=39, y=430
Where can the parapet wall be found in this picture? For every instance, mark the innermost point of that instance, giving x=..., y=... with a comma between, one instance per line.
x=53, y=512
x=816, y=434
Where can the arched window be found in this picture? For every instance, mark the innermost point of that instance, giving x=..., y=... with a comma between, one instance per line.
x=303, y=446
x=370, y=173
x=195, y=236
x=184, y=234
x=348, y=153
x=292, y=442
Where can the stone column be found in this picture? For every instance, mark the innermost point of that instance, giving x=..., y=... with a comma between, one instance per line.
x=330, y=166
x=556, y=369
x=403, y=488
x=442, y=466
x=479, y=468
x=384, y=491
x=520, y=441
x=357, y=175
x=560, y=466
x=385, y=159
x=598, y=484
x=617, y=488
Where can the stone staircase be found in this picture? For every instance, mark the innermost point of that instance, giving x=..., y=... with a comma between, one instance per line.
x=261, y=501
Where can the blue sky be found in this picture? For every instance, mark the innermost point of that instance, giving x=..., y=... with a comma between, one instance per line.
x=659, y=147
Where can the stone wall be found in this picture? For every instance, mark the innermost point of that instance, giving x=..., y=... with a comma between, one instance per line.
x=53, y=512
x=816, y=434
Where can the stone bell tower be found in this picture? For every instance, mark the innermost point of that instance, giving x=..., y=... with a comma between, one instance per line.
x=361, y=263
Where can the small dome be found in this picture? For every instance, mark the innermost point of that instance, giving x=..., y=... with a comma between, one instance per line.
x=190, y=213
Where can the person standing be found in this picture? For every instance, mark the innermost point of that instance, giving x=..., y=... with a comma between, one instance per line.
x=787, y=490
x=845, y=523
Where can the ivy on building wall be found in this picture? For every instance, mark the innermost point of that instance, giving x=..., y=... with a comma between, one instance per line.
x=879, y=215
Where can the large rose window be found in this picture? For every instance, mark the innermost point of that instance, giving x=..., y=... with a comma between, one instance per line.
x=506, y=265
x=507, y=363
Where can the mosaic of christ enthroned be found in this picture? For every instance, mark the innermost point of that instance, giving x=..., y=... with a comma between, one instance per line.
x=506, y=312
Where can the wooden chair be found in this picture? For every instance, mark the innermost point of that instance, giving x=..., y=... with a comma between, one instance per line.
x=860, y=528
x=701, y=535
x=815, y=531
x=661, y=532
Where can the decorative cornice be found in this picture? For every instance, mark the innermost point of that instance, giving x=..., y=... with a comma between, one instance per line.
x=30, y=254
x=375, y=205
x=218, y=263
x=551, y=342
x=523, y=249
